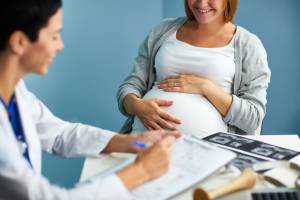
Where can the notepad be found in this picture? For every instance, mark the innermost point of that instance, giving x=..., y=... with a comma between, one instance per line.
x=192, y=161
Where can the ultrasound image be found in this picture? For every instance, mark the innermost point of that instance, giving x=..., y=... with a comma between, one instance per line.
x=256, y=148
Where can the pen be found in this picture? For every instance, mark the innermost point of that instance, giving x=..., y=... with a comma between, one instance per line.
x=139, y=144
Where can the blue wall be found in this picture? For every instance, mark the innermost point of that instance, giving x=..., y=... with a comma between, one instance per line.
x=276, y=23
x=101, y=41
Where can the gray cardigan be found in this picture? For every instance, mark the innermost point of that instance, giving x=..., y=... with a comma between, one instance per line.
x=252, y=76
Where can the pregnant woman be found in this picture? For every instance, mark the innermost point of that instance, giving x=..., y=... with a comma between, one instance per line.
x=200, y=74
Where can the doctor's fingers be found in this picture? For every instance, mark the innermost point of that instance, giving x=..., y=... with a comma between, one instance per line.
x=162, y=151
x=167, y=142
x=160, y=134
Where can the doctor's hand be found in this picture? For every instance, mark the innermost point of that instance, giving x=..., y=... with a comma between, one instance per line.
x=125, y=143
x=152, y=116
x=153, y=163
x=186, y=84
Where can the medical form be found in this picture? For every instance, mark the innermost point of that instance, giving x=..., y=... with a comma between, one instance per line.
x=192, y=161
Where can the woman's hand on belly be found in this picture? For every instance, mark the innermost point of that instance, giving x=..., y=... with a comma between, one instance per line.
x=184, y=83
x=152, y=116
x=199, y=85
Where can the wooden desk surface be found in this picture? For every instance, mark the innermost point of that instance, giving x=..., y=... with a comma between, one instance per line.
x=93, y=166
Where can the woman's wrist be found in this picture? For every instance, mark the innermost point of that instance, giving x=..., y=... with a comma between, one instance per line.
x=217, y=97
x=133, y=175
x=135, y=104
x=206, y=88
x=130, y=103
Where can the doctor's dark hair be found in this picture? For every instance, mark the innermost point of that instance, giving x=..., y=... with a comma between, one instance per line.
x=28, y=16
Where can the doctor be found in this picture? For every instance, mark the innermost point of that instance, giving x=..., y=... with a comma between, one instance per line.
x=29, y=41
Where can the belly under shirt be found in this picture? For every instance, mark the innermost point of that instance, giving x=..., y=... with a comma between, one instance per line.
x=197, y=114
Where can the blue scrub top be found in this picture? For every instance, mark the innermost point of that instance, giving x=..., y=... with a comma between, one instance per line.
x=16, y=123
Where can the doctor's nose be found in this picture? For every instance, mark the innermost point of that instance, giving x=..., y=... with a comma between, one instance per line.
x=61, y=46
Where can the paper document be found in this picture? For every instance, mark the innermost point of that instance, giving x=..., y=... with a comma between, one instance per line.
x=192, y=161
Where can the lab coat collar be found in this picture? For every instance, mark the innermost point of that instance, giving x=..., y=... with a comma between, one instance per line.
x=5, y=124
x=29, y=130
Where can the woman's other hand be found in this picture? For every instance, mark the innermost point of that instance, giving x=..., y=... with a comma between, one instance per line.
x=153, y=163
x=185, y=83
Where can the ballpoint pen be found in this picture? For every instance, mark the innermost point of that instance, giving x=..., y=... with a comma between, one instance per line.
x=139, y=144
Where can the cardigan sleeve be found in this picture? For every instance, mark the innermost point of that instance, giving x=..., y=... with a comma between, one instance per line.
x=249, y=102
x=136, y=82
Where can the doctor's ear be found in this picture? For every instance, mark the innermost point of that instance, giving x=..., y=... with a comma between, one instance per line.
x=18, y=42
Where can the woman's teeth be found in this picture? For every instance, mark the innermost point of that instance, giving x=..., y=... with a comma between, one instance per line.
x=204, y=10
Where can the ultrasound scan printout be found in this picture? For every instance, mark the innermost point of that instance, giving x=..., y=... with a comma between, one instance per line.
x=250, y=151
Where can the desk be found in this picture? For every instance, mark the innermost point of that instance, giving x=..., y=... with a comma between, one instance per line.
x=93, y=166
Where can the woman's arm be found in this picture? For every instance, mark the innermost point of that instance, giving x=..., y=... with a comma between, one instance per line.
x=217, y=97
x=136, y=83
x=142, y=75
x=128, y=103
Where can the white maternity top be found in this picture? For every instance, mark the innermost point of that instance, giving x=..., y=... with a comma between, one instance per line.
x=197, y=114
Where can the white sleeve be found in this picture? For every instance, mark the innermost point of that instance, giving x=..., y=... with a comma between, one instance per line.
x=19, y=181
x=64, y=138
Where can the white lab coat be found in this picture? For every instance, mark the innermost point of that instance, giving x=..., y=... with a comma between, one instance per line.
x=45, y=131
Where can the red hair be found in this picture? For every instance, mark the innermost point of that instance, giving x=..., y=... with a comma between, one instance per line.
x=230, y=9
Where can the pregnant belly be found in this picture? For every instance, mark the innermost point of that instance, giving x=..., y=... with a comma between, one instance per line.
x=198, y=116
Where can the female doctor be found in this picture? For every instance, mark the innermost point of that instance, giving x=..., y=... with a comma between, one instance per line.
x=29, y=41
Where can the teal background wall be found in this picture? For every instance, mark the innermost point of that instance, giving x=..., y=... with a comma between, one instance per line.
x=101, y=40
